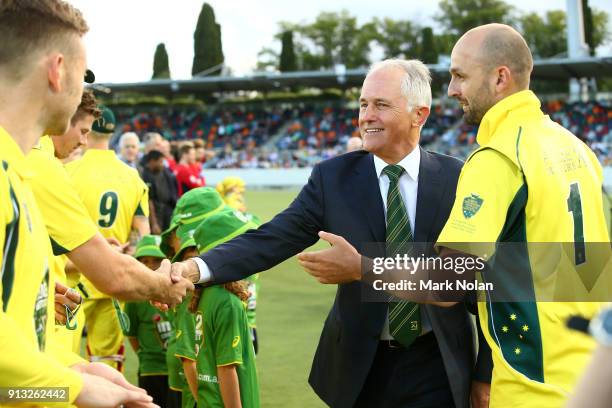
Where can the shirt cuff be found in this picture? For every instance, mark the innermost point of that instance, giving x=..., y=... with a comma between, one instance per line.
x=205, y=275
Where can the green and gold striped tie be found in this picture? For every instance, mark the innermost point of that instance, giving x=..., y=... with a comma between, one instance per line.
x=404, y=317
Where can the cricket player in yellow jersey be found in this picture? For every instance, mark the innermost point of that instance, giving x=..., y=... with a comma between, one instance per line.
x=41, y=74
x=120, y=275
x=531, y=181
x=117, y=200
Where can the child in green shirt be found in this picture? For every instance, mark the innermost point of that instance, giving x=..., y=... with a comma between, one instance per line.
x=227, y=375
x=150, y=330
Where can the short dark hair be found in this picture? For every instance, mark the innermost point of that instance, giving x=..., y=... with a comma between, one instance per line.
x=27, y=26
x=153, y=155
x=185, y=149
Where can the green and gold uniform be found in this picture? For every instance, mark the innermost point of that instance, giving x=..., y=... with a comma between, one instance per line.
x=185, y=347
x=60, y=205
x=222, y=337
x=531, y=181
x=27, y=302
x=113, y=195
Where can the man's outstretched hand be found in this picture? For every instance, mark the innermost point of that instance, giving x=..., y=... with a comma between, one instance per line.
x=339, y=264
x=182, y=275
x=177, y=286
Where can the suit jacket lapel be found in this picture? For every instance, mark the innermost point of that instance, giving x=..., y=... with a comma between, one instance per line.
x=365, y=189
x=431, y=181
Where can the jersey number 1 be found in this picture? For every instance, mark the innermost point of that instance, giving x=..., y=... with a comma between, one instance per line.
x=108, y=209
x=574, y=205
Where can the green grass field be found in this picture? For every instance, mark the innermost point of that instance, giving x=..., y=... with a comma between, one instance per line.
x=290, y=313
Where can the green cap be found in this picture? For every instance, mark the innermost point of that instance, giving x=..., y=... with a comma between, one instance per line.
x=185, y=235
x=149, y=246
x=221, y=227
x=191, y=209
x=106, y=122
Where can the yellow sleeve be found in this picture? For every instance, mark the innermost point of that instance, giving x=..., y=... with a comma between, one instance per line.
x=488, y=183
x=60, y=204
x=22, y=365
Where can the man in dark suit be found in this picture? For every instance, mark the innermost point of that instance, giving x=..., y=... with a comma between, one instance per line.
x=363, y=358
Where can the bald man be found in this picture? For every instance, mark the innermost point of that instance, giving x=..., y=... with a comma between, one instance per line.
x=531, y=181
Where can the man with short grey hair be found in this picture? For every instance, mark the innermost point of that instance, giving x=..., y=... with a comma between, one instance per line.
x=129, y=145
x=391, y=191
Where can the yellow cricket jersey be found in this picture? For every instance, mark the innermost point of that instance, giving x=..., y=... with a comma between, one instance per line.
x=68, y=223
x=25, y=284
x=113, y=193
x=60, y=205
x=530, y=181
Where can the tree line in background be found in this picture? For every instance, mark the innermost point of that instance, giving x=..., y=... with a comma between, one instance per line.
x=337, y=38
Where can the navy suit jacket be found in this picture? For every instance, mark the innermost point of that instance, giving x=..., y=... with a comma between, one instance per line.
x=343, y=197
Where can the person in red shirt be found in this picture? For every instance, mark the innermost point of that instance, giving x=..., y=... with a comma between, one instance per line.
x=200, y=155
x=187, y=176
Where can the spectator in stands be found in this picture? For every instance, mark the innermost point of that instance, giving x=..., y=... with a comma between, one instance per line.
x=186, y=175
x=354, y=143
x=163, y=190
x=152, y=141
x=200, y=154
x=129, y=145
x=169, y=160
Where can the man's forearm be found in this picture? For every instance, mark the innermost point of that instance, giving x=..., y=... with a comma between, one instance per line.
x=117, y=274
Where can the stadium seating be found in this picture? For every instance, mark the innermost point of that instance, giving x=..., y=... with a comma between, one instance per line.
x=302, y=135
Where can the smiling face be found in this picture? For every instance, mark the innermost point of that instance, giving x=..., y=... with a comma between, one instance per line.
x=385, y=123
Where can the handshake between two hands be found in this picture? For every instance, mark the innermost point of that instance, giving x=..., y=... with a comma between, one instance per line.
x=182, y=276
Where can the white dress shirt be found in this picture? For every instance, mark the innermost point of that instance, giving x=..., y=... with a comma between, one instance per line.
x=408, y=186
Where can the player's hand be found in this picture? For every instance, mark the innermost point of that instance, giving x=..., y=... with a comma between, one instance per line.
x=105, y=371
x=187, y=269
x=479, y=395
x=339, y=264
x=177, y=285
x=98, y=392
x=65, y=296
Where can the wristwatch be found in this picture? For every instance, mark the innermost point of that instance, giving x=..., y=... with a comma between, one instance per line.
x=601, y=327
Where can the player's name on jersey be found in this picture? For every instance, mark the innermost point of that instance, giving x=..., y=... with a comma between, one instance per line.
x=430, y=285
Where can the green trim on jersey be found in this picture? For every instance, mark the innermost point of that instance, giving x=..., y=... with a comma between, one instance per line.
x=515, y=326
x=57, y=248
x=7, y=270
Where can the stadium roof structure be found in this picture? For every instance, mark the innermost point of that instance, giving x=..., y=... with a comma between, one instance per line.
x=549, y=69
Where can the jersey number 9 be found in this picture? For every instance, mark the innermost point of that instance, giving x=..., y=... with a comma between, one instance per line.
x=108, y=209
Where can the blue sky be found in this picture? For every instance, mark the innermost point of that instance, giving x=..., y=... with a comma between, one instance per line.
x=124, y=33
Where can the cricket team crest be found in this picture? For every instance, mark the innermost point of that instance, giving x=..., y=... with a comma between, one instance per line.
x=471, y=205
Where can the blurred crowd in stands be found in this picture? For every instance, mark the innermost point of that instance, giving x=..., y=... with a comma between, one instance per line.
x=301, y=136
